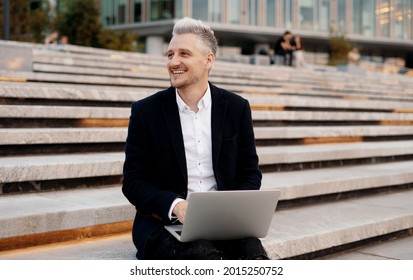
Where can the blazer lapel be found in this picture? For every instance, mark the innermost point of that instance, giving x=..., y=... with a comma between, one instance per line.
x=171, y=114
x=218, y=111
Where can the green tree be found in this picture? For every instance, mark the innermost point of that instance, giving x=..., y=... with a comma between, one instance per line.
x=122, y=41
x=28, y=20
x=80, y=22
x=339, y=48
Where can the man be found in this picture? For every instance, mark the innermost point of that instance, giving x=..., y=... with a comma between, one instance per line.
x=190, y=137
x=284, y=49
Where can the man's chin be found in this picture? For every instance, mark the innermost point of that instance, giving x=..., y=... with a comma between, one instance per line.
x=177, y=85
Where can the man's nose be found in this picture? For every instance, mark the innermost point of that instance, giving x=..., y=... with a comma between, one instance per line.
x=174, y=61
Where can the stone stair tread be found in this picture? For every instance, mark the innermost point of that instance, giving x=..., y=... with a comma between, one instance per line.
x=293, y=232
x=25, y=136
x=55, y=91
x=19, y=136
x=34, y=213
x=311, y=228
x=332, y=151
x=46, y=167
x=315, y=182
x=77, y=112
x=330, y=131
x=80, y=92
x=50, y=167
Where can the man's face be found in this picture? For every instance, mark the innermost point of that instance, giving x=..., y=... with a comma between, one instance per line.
x=188, y=61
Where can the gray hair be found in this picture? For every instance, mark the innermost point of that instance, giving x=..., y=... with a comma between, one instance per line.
x=203, y=31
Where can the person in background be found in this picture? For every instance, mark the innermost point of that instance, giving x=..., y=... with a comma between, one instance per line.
x=298, y=51
x=282, y=48
x=192, y=136
x=354, y=56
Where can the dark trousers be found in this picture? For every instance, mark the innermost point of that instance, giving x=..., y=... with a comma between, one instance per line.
x=163, y=246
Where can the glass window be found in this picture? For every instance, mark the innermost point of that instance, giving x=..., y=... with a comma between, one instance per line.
x=402, y=18
x=121, y=11
x=288, y=14
x=234, y=11
x=253, y=12
x=384, y=9
x=341, y=10
x=323, y=15
x=136, y=10
x=207, y=10
x=270, y=12
x=161, y=9
x=306, y=14
x=179, y=9
x=200, y=9
x=364, y=17
x=215, y=9
x=113, y=12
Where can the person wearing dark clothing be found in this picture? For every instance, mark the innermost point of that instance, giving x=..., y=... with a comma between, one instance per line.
x=283, y=48
x=192, y=136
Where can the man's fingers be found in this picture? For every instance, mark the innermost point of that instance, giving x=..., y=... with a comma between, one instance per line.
x=180, y=210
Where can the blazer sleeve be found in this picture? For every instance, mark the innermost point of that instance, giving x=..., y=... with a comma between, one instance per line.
x=139, y=187
x=248, y=174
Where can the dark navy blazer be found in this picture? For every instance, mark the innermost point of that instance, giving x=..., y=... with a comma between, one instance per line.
x=155, y=172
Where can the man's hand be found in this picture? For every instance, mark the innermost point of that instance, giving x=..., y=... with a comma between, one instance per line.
x=180, y=210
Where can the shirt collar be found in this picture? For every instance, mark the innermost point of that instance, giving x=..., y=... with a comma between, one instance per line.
x=203, y=103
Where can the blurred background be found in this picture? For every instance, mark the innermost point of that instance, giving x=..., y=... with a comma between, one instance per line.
x=381, y=29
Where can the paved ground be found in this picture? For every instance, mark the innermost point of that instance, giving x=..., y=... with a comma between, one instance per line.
x=120, y=247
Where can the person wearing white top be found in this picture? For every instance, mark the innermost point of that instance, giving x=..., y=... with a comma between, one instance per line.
x=190, y=137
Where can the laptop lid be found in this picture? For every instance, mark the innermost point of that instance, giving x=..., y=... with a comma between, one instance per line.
x=224, y=215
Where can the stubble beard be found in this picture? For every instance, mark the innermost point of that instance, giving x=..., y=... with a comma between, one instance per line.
x=184, y=84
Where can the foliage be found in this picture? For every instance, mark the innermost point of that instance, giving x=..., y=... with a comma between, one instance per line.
x=339, y=48
x=27, y=22
x=40, y=21
x=80, y=22
x=76, y=19
x=122, y=41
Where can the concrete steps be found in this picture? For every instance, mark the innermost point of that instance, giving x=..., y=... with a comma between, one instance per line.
x=63, y=166
x=294, y=232
x=32, y=136
x=340, y=148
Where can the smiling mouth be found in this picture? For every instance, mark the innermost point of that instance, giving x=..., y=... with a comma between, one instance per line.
x=178, y=72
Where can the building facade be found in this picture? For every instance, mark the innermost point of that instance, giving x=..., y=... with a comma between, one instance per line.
x=380, y=28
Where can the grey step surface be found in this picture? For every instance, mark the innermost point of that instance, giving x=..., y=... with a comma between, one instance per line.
x=53, y=91
x=293, y=232
x=308, y=183
x=397, y=249
x=79, y=112
x=48, y=167
x=62, y=210
x=293, y=184
x=120, y=247
x=22, y=136
x=308, y=229
x=29, y=136
x=81, y=93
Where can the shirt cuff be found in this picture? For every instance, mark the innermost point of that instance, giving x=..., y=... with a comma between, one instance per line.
x=176, y=201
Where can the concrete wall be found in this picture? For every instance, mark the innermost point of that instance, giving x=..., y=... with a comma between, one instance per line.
x=16, y=56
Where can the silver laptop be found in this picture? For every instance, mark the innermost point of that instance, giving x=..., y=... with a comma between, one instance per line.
x=225, y=215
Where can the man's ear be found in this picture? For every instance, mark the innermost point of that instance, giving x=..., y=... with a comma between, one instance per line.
x=210, y=60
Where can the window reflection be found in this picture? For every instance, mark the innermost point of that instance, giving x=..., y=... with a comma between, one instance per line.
x=234, y=11
x=271, y=12
x=363, y=19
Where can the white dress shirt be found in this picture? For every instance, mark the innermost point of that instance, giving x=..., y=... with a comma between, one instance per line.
x=196, y=132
